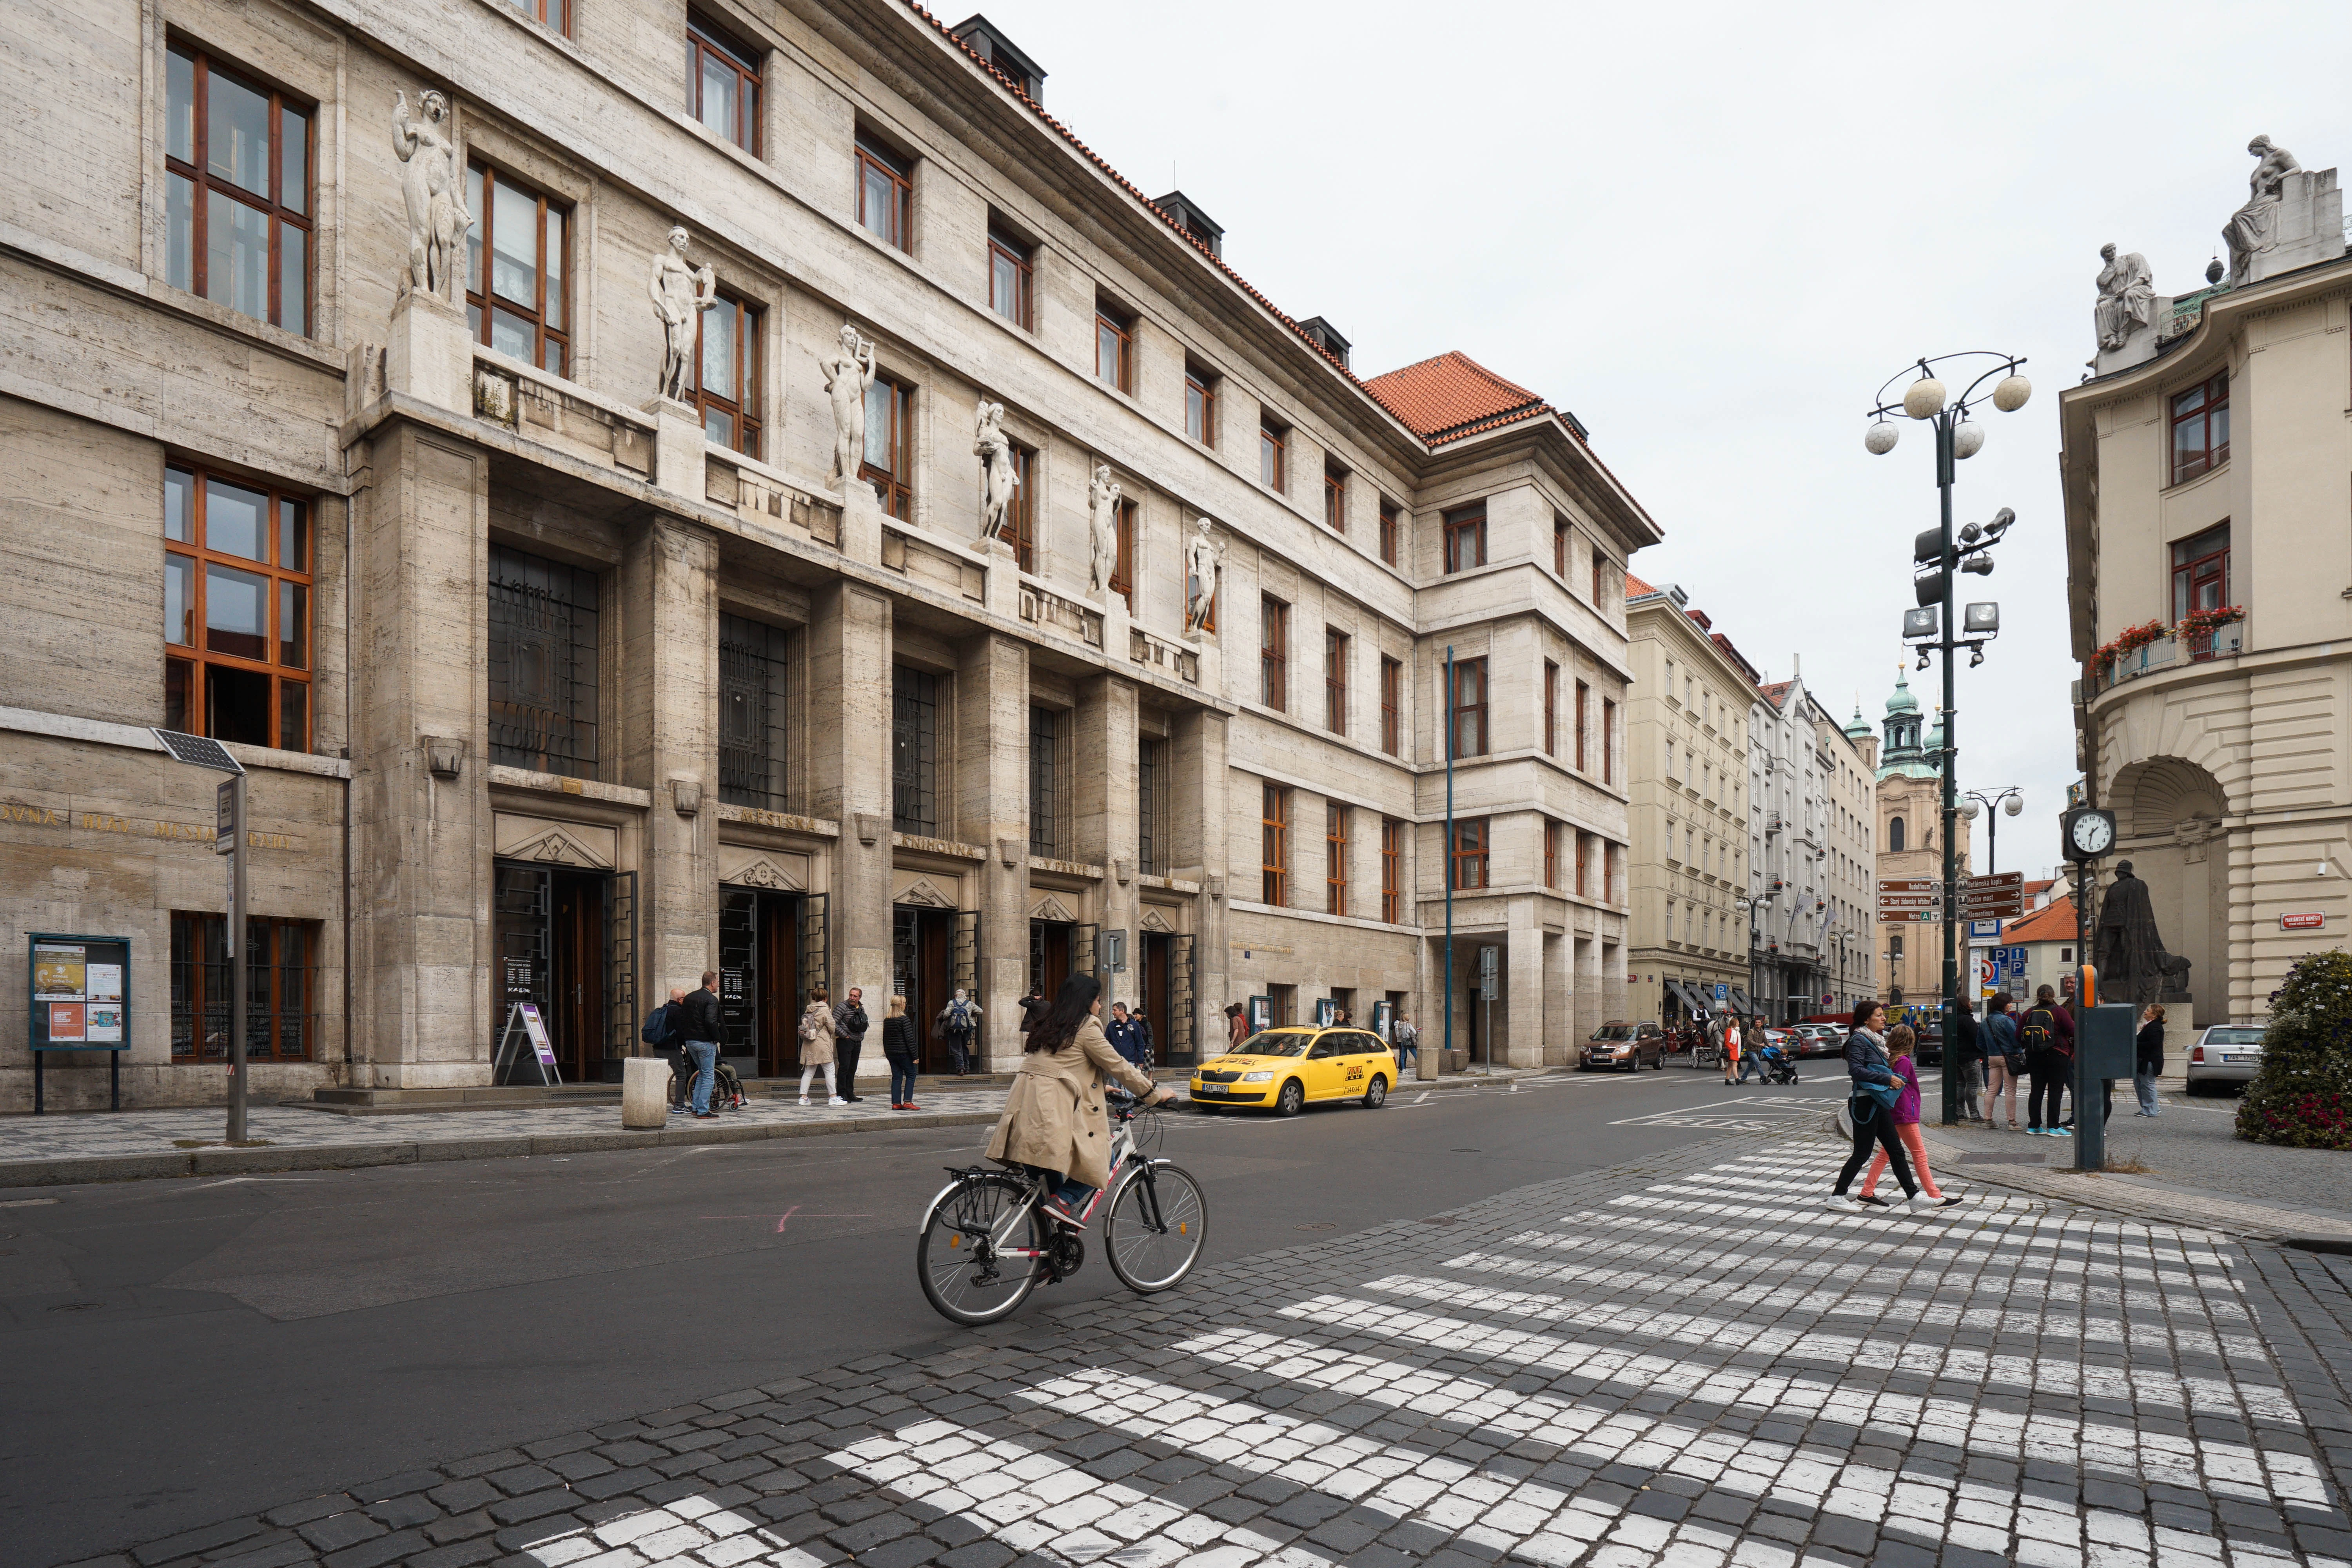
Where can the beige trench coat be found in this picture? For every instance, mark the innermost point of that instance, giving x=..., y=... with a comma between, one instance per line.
x=817, y=1035
x=1054, y=1117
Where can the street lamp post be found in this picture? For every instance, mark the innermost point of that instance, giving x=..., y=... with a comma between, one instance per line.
x=2009, y=800
x=1956, y=437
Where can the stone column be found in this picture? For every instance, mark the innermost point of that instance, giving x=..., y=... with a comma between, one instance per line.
x=1102, y=788
x=1524, y=986
x=421, y=935
x=669, y=624
x=990, y=808
x=1561, y=998
x=1588, y=1015
x=849, y=663
x=1200, y=829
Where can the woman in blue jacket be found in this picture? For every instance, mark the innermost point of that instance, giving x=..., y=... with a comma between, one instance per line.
x=1873, y=1124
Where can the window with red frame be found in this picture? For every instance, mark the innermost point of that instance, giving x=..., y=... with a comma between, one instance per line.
x=722, y=83
x=1583, y=700
x=1392, y=705
x=236, y=191
x=1552, y=853
x=1337, y=821
x=237, y=610
x=2200, y=428
x=1608, y=741
x=1467, y=704
x=1335, y=497
x=1391, y=524
x=1114, y=347
x=1021, y=524
x=1272, y=441
x=1335, y=681
x=1551, y=709
x=1011, y=280
x=1559, y=547
x=1201, y=405
x=1273, y=652
x=517, y=271
x=1274, y=867
x=1599, y=581
x=1392, y=870
x=281, y=988
x=2201, y=572
x=1465, y=538
x=1122, y=572
x=1584, y=864
x=1467, y=857
x=725, y=384
x=886, y=195
x=889, y=465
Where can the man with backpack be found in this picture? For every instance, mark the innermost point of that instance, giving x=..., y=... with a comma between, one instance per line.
x=1407, y=1041
x=2048, y=1036
x=959, y=1024
x=661, y=1031
x=697, y=1027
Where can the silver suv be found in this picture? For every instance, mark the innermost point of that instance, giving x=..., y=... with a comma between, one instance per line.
x=2224, y=1053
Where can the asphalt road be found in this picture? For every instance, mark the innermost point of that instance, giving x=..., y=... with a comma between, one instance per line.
x=181, y=1351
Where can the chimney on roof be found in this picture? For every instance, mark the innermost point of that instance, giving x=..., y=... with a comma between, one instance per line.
x=986, y=39
x=1324, y=332
x=1700, y=616
x=1194, y=221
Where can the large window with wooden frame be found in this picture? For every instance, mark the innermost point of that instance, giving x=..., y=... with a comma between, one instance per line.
x=1335, y=681
x=1392, y=870
x=753, y=705
x=1392, y=705
x=725, y=386
x=1045, y=776
x=1551, y=709
x=1391, y=524
x=1552, y=853
x=722, y=83
x=1273, y=449
x=517, y=274
x=2201, y=572
x=1608, y=741
x=2200, y=428
x=544, y=660
x=1114, y=346
x=1011, y=280
x=554, y=14
x=1337, y=821
x=237, y=610
x=1466, y=537
x=281, y=988
x=1335, y=497
x=1122, y=570
x=886, y=194
x=1583, y=865
x=1559, y=537
x=889, y=465
x=1274, y=845
x=1273, y=652
x=1583, y=706
x=1599, y=581
x=237, y=191
x=1467, y=708
x=1201, y=405
x=1467, y=855
x=1021, y=517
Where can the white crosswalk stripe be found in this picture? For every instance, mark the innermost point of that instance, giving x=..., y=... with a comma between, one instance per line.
x=692, y=1533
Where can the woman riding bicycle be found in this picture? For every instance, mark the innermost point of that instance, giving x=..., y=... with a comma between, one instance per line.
x=1053, y=1121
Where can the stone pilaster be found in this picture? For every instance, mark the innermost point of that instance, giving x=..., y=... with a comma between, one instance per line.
x=1200, y=830
x=678, y=448
x=850, y=643
x=1562, y=999
x=990, y=808
x=670, y=741
x=1102, y=786
x=1523, y=993
x=429, y=355
x=421, y=937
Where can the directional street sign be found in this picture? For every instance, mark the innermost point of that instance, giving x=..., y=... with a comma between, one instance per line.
x=1905, y=885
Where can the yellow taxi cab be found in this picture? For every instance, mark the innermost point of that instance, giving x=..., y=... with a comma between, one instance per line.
x=1284, y=1068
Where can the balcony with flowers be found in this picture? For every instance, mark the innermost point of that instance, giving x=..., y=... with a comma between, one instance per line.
x=2152, y=649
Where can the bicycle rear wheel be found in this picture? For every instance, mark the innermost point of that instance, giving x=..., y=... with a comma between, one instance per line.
x=962, y=1272
x=1153, y=1233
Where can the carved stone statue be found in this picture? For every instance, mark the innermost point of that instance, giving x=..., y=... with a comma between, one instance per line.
x=1200, y=578
x=847, y=374
x=1102, y=529
x=680, y=294
x=433, y=187
x=2253, y=228
x=2132, y=964
x=2126, y=297
x=998, y=477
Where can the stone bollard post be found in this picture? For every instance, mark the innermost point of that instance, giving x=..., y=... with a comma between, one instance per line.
x=645, y=1093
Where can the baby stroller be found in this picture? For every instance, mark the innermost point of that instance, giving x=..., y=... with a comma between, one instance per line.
x=726, y=1084
x=1780, y=1067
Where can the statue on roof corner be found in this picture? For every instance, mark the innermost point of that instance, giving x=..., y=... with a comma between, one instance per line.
x=2126, y=297
x=2253, y=228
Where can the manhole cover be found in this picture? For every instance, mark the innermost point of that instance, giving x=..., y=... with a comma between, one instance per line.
x=1993, y=1159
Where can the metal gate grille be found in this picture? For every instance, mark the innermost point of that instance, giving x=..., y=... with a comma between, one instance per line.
x=621, y=963
x=1182, y=1036
x=906, y=938
x=963, y=956
x=519, y=911
x=739, y=969
x=816, y=949
x=1082, y=951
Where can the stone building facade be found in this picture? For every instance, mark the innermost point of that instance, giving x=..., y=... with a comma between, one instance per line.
x=593, y=605
x=1811, y=856
x=1687, y=737
x=1909, y=821
x=2208, y=473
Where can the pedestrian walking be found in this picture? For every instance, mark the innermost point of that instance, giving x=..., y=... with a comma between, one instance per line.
x=1407, y=1041
x=1966, y=1058
x=699, y=1029
x=1871, y=1095
x=1032, y=1007
x=898, y=1050
x=2147, y=1057
x=2048, y=1037
x=1125, y=1038
x=2004, y=1059
x=1731, y=1047
x=817, y=1041
x=959, y=1025
x=1236, y=1024
x=1143, y=1032
x=1903, y=1041
x=661, y=1031
x=849, y=1026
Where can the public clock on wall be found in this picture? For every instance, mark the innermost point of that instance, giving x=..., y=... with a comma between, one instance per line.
x=2089, y=832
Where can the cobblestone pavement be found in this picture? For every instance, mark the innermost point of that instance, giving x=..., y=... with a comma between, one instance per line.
x=1653, y=1364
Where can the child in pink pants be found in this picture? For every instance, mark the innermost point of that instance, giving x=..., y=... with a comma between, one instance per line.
x=1900, y=1042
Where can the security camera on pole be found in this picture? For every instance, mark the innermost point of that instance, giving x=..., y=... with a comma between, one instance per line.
x=1945, y=554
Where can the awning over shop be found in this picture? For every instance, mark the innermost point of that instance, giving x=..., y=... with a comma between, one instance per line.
x=1739, y=1002
x=1691, y=1003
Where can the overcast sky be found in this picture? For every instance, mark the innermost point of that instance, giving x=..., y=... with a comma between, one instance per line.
x=1712, y=231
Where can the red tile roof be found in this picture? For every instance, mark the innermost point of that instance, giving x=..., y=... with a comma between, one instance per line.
x=1635, y=587
x=2055, y=923
x=1452, y=395
x=1776, y=691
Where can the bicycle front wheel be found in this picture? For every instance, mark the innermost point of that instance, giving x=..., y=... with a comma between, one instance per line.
x=1152, y=1234
x=964, y=1273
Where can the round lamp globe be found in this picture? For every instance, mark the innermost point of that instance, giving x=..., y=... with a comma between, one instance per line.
x=2010, y=395
x=1968, y=440
x=1924, y=398
x=1881, y=436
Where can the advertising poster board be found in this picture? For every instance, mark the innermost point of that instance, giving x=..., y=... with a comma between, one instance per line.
x=66, y=1022
x=536, y=1027
x=58, y=971
x=77, y=998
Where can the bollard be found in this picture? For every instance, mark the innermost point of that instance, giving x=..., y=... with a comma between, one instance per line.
x=645, y=1093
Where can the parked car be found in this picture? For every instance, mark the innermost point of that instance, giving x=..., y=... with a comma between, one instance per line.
x=1288, y=1067
x=1623, y=1047
x=1817, y=1039
x=2224, y=1053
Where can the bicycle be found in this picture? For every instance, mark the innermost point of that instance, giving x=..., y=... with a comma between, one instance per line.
x=984, y=1243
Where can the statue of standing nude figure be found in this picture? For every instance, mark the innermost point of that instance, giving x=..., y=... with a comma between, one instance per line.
x=680, y=294
x=1199, y=580
x=432, y=189
x=998, y=477
x=847, y=374
x=1102, y=529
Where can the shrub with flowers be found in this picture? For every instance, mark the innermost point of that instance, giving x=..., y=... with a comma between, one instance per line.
x=2131, y=639
x=2209, y=621
x=2303, y=1095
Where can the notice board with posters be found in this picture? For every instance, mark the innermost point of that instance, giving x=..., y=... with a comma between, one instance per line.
x=77, y=992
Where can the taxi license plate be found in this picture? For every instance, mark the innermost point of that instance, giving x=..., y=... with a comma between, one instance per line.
x=1211, y=1089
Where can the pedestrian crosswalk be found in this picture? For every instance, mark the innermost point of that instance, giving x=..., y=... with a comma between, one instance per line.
x=1704, y=1371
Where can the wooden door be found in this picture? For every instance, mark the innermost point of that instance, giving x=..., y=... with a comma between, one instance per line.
x=1158, y=1002
x=778, y=998
x=576, y=999
x=934, y=939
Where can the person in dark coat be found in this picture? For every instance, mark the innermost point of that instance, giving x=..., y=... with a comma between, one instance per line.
x=1126, y=1037
x=2147, y=1057
x=1966, y=1056
x=1032, y=1007
x=899, y=1047
x=849, y=1025
x=697, y=1029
